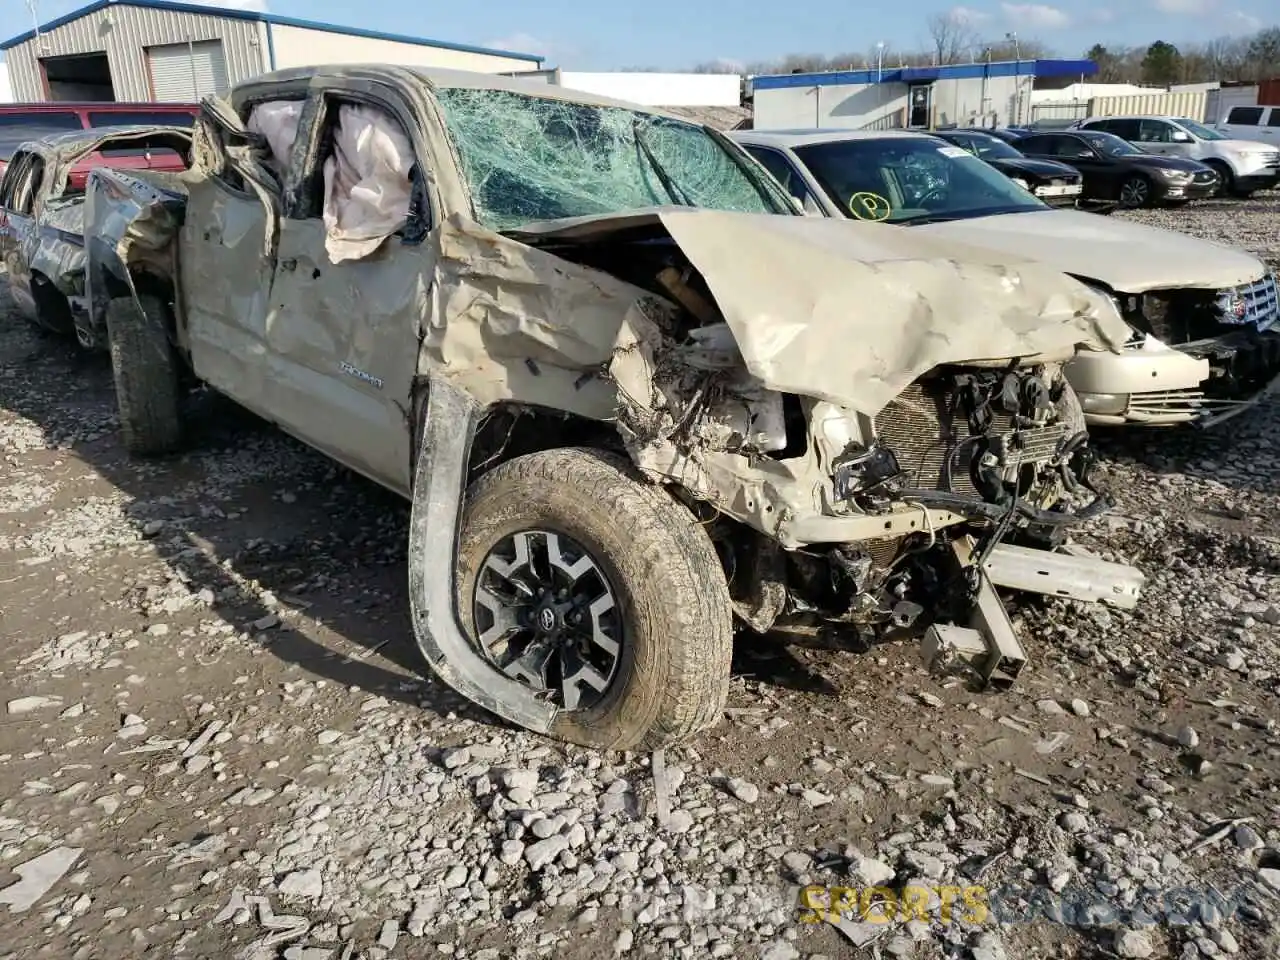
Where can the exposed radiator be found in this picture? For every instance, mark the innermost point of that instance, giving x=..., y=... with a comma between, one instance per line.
x=921, y=430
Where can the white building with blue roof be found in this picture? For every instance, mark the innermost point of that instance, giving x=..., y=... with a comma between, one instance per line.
x=960, y=94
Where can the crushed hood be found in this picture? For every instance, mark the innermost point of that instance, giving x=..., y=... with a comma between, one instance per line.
x=1127, y=257
x=853, y=313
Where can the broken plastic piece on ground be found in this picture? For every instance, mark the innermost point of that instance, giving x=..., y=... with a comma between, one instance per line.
x=1065, y=575
x=38, y=874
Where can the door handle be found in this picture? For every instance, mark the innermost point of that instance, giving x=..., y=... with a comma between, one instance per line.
x=290, y=264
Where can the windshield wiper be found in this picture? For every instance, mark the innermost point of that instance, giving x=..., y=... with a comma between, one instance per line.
x=964, y=215
x=677, y=195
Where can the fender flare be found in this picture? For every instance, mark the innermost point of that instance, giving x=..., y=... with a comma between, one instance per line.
x=435, y=523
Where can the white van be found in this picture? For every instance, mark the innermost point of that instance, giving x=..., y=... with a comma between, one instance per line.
x=1244, y=165
x=1252, y=123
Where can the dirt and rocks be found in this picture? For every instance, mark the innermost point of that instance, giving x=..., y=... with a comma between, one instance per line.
x=216, y=739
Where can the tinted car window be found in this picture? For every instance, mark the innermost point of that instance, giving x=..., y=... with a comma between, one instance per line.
x=781, y=171
x=1246, y=116
x=1056, y=146
x=1274, y=120
x=1126, y=129
x=139, y=118
x=17, y=128
x=1153, y=131
x=1109, y=145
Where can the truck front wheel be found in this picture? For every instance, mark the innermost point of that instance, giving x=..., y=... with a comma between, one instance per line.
x=601, y=593
x=146, y=374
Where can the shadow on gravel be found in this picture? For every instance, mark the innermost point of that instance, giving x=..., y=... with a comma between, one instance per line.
x=242, y=502
x=1238, y=453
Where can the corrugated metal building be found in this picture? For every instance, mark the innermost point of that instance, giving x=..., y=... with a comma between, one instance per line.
x=158, y=50
x=962, y=94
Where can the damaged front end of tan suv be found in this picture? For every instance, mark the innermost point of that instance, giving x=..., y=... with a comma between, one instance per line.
x=629, y=434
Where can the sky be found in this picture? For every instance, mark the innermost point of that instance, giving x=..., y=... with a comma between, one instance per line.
x=677, y=34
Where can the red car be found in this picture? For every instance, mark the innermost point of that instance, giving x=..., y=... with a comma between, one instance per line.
x=20, y=122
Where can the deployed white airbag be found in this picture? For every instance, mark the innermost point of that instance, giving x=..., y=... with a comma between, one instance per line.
x=367, y=190
x=277, y=122
x=366, y=182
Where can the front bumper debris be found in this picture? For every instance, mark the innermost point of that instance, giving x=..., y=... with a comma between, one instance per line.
x=989, y=646
x=1202, y=383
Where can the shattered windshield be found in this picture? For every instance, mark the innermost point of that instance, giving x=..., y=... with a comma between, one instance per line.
x=911, y=180
x=531, y=158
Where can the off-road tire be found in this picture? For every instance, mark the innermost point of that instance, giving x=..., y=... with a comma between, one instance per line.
x=673, y=678
x=146, y=375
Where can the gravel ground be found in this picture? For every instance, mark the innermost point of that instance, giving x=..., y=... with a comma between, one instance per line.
x=1252, y=224
x=217, y=742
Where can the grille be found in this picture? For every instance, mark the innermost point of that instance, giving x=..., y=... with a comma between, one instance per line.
x=921, y=430
x=1271, y=159
x=1240, y=363
x=1256, y=304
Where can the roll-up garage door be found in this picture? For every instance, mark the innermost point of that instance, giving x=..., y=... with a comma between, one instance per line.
x=185, y=72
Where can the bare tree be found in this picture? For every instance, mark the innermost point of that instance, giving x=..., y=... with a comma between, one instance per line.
x=951, y=37
x=952, y=40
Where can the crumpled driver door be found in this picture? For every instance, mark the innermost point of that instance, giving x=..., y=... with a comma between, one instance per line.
x=344, y=336
x=227, y=258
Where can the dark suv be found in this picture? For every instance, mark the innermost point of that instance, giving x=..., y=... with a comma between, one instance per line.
x=20, y=122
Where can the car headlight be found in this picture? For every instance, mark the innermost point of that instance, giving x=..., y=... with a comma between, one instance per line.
x=1020, y=182
x=1176, y=176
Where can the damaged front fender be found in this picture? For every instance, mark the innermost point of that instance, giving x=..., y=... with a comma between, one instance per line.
x=439, y=494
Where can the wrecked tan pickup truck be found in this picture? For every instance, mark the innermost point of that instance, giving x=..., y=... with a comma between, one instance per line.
x=635, y=397
x=42, y=215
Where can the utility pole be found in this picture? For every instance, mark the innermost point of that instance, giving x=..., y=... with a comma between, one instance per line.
x=33, y=8
x=879, y=79
x=1017, y=79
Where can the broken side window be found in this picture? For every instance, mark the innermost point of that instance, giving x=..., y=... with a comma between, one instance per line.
x=24, y=200
x=276, y=121
x=528, y=158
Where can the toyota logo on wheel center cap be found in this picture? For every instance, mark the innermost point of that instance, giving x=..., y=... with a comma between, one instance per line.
x=546, y=619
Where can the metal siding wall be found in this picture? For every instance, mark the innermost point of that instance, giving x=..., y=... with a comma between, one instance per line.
x=854, y=106
x=1189, y=105
x=305, y=47
x=883, y=106
x=123, y=33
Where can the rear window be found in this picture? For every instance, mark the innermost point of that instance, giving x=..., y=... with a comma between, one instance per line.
x=156, y=152
x=1245, y=116
x=129, y=118
x=17, y=128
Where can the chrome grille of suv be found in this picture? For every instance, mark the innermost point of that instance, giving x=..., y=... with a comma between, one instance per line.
x=1255, y=304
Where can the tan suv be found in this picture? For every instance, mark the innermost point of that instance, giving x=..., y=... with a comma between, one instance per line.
x=635, y=398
